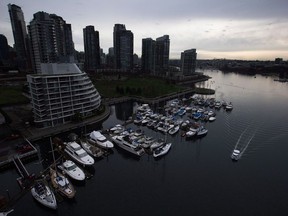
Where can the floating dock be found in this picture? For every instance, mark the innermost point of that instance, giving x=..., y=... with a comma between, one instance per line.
x=28, y=150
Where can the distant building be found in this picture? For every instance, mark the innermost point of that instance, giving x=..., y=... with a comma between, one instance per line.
x=51, y=40
x=60, y=92
x=20, y=36
x=110, y=58
x=91, y=48
x=123, y=47
x=4, y=49
x=136, y=60
x=162, y=54
x=278, y=60
x=148, y=56
x=102, y=57
x=188, y=62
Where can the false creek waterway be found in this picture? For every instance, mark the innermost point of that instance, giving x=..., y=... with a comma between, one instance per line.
x=197, y=177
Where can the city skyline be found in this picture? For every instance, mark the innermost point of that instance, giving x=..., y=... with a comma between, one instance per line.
x=248, y=30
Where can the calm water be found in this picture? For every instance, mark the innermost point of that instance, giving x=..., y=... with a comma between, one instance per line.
x=196, y=177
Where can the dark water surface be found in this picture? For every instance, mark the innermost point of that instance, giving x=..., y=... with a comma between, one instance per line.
x=196, y=177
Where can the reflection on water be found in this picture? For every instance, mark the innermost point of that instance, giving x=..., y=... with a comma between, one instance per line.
x=124, y=110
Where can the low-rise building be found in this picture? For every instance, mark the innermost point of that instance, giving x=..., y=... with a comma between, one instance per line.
x=60, y=93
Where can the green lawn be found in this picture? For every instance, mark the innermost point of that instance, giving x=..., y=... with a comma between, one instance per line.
x=145, y=87
x=11, y=95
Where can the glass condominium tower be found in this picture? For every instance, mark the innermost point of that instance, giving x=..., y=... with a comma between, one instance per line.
x=123, y=47
x=20, y=36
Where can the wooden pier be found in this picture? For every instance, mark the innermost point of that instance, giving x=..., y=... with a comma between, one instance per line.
x=16, y=156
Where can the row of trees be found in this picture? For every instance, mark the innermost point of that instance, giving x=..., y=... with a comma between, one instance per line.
x=128, y=91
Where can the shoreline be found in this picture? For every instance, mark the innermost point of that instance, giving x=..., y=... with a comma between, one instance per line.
x=32, y=133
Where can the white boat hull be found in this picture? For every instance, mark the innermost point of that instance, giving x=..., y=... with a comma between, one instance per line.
x=72, y=170
x=47, y=198
x=162, y=150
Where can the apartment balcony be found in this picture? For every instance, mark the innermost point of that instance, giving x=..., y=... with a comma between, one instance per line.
x=64, y=79
x=40, y=114
x=80, y=83
x=53, y=102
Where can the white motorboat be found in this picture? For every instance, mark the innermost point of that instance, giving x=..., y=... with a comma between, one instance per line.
x=116, y=129
x=157, y=144
x=212, y=118
x=125, y=143
x=72, y=170
x=229, y=107
x=91, y=149
x=235, y=154
x=75, y=151
x=99, y=139
x=202, y=131
x=62, y=184
x=188, y=109
x=162, y=150
x=147, y=142
x=218, y=105
x=167, y=127
x=43, y=194
x=174, y=130
x=143, y=108
x=190, y=133
x=145, y=121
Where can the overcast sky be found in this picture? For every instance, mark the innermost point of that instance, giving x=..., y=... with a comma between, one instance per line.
x=245, y=29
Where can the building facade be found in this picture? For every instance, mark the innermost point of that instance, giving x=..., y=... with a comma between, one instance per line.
x=148, y=56
x=4, y=50
x=91, y=48
x=188, y=62
x=162, y=54
x=60, y=93
x=20, y=36
x=123, y=47
x=50, y=39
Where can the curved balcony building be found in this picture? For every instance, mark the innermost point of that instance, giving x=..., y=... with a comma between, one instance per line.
x=60, y=93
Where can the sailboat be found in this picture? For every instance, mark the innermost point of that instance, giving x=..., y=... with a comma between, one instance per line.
x=163, y=149
x=43, y=194
x=6, y=212
x=59, y=181
x=62, y=184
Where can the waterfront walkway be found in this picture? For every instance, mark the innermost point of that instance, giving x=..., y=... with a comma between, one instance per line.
x=8, y=147
x=32, y=133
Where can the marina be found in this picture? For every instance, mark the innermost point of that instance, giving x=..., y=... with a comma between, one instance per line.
x=200, y=166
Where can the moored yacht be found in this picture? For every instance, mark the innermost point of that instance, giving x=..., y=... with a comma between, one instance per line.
x=75, y=151
x=125, y=143
x=99, y=139
x=72, y=170
x=43, y=194
x=191, y=132
x=157, y=144
x=91, y=149
x=212, y=118
x=62, y=184
x=117, y=129
x=162, y=150
x=202, y=131
x=174, y=130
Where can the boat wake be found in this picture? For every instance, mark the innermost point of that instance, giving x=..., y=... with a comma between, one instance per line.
x=242, y=144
